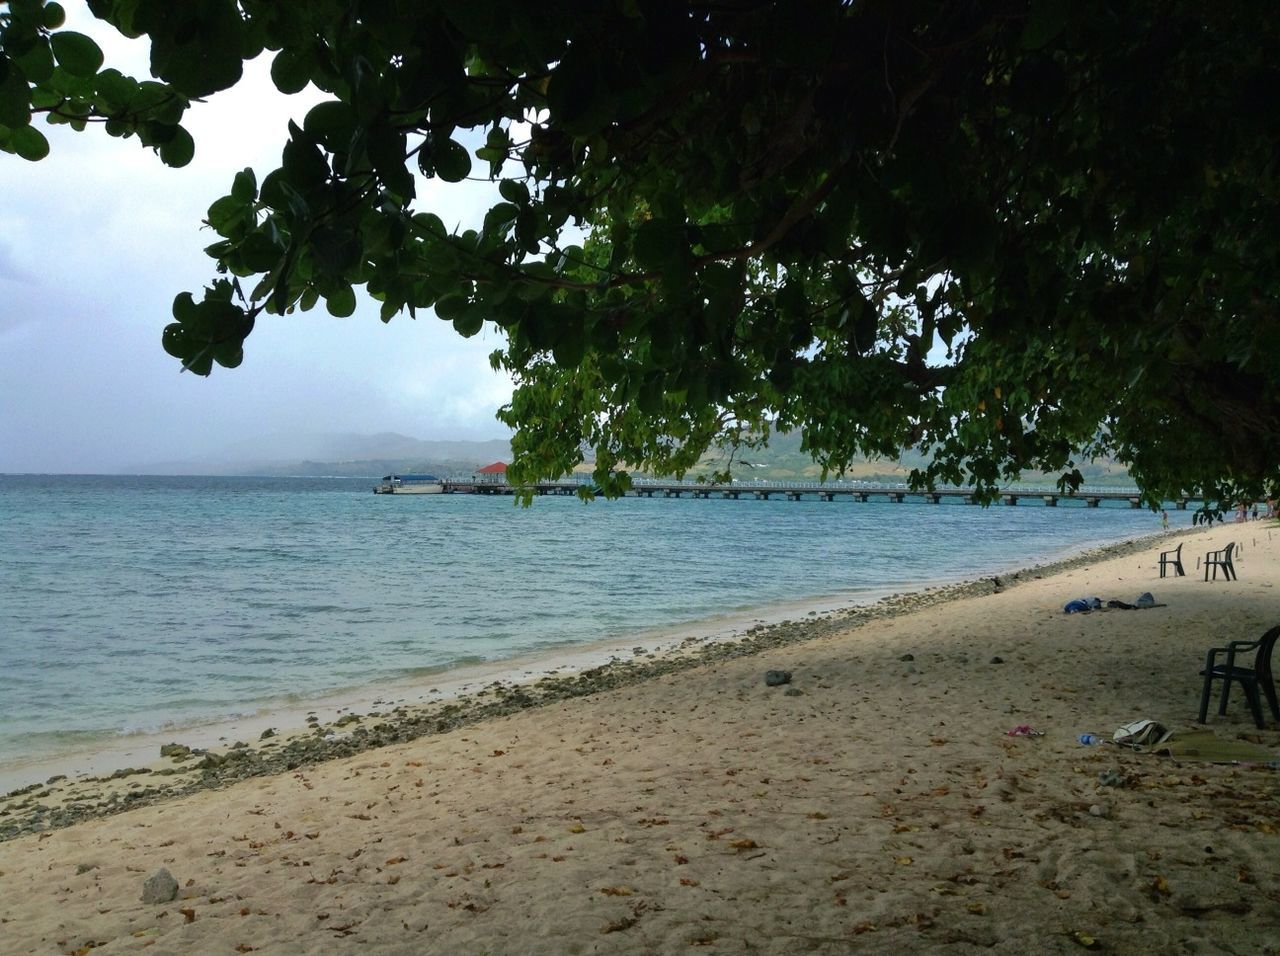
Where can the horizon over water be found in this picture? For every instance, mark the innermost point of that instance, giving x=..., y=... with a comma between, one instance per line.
x=131, y=604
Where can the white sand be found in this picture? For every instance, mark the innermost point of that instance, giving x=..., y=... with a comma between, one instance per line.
x=883, y=809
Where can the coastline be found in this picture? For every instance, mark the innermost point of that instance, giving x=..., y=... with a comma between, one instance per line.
x=916, y=783
x=68, y=788
x=158, y=629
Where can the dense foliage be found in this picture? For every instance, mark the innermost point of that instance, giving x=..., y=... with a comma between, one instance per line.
x=1007, y=233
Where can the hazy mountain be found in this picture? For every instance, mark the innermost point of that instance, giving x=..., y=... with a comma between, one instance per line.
x=784, y=461
x=390, y=452
x=338, y=454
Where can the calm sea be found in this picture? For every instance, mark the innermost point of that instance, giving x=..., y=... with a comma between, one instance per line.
x=128, y=604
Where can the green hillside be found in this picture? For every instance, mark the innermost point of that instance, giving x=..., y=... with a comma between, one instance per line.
x=783, y=460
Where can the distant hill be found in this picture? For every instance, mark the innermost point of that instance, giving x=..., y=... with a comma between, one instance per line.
x=783, y=460
x=339, y=454
x=385, y=453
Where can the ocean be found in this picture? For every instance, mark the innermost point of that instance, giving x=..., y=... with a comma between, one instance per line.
x=134, y=604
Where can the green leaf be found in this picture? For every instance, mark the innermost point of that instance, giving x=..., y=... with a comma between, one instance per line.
x=482, y=21
x=341, y=303
x=291, y=70
x=386, y=147
x=865, y=324
x=1047, y=19
x=657, y=243
x=570, y=349
x=179, y=150
x=36, y=61
x=195, y=45
x=652, y=390
x=303, y=163
x=450, y=307
x=76, y=53
x=54, y=16
x=257, y=253
x=496, y=150
x=430, y=223
x=451, y=160
x=184, y=307
x=228, y=354
x=494, y=156
x=155, y=133
x=576, y=95
x=15, y=98
x=227, y=215
x=174, y=339
x=336, y=249
x=513, y=190
x=75, y=89
x=279, y=187
x=468, y=323
x=330, y=122
x=114, y=90
x=201, y=363
x=29, y=143
x=499, y=216
x=244, y=187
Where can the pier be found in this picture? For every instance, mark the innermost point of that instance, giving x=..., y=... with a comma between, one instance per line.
x=821, y=491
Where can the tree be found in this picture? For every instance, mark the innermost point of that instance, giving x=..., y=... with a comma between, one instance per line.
x=1008, y=233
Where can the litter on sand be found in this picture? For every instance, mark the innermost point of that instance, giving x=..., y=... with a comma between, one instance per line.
x=1024, y=730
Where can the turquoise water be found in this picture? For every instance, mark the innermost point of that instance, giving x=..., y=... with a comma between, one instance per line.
x=128, y=604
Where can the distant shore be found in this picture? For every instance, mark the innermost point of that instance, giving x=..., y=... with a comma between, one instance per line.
x=61, y=791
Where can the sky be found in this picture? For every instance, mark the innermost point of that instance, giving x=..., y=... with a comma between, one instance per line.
x=98, y=238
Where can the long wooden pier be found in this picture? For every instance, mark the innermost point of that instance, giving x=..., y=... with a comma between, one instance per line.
x=823, y=491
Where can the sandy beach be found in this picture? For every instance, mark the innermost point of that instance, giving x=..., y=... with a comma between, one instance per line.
x=876, y=802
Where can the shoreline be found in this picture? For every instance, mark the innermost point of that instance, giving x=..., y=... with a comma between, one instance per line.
x=106, y=781
x=909, y=778
x=126, y=750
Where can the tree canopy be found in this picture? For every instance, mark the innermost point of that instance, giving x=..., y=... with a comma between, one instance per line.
x=1009, y=233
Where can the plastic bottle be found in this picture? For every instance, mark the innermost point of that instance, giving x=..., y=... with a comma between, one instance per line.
x=1088, y=739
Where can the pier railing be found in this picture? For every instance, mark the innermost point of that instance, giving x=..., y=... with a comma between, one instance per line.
x=863, y=491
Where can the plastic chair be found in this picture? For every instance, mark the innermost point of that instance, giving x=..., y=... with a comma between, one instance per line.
x=1221, y=559
x=1172, y=559
x=1249, y=678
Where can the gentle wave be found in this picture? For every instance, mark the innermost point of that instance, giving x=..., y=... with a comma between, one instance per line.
x=158, y=602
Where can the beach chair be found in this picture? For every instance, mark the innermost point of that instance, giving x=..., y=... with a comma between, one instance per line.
x=1249, y=678
x=1172, y=559
x=1221, y=559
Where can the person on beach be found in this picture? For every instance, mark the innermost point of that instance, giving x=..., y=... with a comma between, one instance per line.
x=1164, y=520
